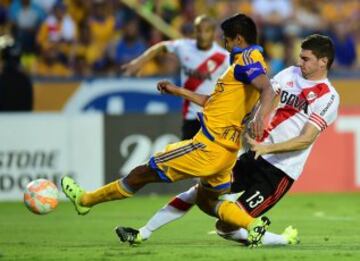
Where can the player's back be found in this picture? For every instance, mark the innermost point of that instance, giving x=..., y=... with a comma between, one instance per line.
x=234, y=98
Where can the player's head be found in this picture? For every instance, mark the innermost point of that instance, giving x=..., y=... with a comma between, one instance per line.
x=204, y=31
x=316, y=56
x=239, y=31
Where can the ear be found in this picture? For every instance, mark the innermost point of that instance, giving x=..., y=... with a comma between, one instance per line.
x=240, y=41
x=323, y=62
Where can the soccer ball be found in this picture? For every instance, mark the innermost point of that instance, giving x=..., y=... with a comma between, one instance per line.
x=41, y=196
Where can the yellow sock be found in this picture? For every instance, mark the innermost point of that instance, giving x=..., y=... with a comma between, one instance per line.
x=111, y=191
x=232, y=214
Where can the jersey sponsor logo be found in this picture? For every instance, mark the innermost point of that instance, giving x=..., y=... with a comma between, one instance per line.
x=290, y=84
x=294, y=101
x=232, y=134
x=332, y=99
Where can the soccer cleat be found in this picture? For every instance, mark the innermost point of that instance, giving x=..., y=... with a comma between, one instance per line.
x=74, y=192
x=291, y=235
x=257, y=230
x=128, y=234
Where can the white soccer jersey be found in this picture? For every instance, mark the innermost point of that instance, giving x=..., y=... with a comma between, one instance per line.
x=199, y=69
x=301, y=102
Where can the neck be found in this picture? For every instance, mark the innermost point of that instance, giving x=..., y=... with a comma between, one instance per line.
x=204, y=48
x=316, y=76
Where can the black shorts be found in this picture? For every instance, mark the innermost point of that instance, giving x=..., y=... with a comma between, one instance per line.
x=190, y=128
x=263, y=184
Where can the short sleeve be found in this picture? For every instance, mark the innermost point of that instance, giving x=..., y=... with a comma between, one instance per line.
x=250, y=66
x=172, y=46
x=325, y=111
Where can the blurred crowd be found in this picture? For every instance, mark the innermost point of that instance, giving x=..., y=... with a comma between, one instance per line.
x=95, y=37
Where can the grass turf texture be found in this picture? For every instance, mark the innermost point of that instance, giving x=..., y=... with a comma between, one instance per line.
x=329, y=227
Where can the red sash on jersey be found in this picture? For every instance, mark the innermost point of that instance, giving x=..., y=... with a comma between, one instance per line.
x=287, y=111
x=192, y=83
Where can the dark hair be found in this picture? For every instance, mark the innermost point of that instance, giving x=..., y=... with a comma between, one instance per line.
x=321, y=46
x=240, y=24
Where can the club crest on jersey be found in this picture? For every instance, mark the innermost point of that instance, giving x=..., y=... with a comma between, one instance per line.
x=311, y=96
x=294, y=101
x=211, y=65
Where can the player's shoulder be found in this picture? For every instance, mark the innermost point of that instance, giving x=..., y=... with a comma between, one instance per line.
x=247, y=56
x=186, y=42
x=181, y=42
x=253, y=52
x=293, y=70
x=331, y=91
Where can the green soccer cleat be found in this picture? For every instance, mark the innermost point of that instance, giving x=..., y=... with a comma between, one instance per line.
x=74, y=192
x=128, y=234
x=257, y=230
x=291, y=235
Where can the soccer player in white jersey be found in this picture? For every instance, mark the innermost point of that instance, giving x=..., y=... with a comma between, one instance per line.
x=202, y=62
x=308, y=103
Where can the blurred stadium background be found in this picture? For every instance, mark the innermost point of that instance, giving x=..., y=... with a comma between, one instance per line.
x=73, y=112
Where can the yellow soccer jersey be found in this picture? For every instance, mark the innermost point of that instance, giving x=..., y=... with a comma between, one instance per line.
x=233, y=98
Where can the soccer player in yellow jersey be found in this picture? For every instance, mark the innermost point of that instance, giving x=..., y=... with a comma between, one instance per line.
x=212, y=153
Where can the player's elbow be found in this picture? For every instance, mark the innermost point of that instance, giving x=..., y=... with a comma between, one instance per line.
x=204, y=100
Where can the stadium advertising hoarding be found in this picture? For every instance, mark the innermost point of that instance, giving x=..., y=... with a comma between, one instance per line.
x=96, y=149
x=119, y=95
x=113, y=96
x=49, y=146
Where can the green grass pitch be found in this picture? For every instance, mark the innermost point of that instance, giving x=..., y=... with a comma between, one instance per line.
x=329, y=227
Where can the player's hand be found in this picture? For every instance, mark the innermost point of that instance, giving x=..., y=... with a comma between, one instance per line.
x=130, y=69
x=167, y=87
x=256, y=127
x=259, y=149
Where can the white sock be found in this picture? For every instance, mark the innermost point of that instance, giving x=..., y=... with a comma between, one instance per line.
x=175, y=209
x=273, y=239
x=242, y=234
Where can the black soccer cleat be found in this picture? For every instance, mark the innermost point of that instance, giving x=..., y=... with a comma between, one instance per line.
x=128, y=234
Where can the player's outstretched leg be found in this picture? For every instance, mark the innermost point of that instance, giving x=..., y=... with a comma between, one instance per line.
x=74, y=192
x=240, y=235
x=119, y=189
x=174, y=210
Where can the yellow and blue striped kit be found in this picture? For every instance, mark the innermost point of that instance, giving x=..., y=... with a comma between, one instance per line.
x=212, y=153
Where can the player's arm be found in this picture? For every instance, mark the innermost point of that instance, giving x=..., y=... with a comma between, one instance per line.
x=170, y=88
x=266, y=103
x=307, y=137
x=135, y=65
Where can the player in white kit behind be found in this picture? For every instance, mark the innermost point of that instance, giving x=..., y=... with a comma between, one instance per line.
x=202, y=62
x=308, y=103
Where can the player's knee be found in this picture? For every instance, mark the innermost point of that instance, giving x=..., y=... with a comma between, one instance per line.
x=140, y=176
x=206, y=205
